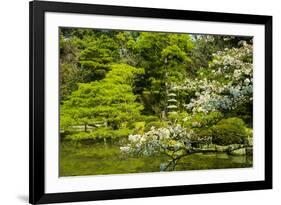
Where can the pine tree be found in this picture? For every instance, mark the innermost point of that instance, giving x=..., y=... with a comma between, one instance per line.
x=110, y=102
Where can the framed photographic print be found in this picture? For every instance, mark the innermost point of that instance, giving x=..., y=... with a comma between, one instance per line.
x=140, y=102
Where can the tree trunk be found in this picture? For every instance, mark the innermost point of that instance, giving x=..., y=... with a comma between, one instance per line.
x=85, y=127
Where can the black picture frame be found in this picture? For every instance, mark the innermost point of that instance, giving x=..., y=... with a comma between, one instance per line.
x=37, y=193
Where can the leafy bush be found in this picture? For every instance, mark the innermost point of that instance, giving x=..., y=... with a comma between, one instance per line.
x=249, y=132
x=229, y=131
x=139, y=127
x=178, y=117
x=201, y=133
x=156, y=124
x=99, y=134
x=200, y=121
x=148, y=118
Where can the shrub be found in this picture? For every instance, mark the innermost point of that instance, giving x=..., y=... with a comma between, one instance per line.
x=178, y=117
x=139, y=127
x=202, y=120
x=99, y=134
x=229, y=131
x=249, y=132
x=148, y=118
x=156, y=124
x=201, y=133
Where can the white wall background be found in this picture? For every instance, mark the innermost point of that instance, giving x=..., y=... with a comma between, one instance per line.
x=14, y=100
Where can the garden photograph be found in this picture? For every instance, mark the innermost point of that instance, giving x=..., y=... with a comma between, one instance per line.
x=145, y=101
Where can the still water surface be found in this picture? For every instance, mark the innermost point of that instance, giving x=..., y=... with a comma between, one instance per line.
x=96, y=159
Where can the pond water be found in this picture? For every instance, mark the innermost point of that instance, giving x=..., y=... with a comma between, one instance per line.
x=97, y=159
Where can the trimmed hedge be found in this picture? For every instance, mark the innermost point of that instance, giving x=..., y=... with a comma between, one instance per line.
x=229, y=131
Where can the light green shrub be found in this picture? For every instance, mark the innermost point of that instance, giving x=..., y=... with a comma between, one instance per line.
x=229, y=131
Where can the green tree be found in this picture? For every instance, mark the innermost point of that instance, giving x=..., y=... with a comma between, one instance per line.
x=165, y=58
x=110, y=102
x=94, y=60
x=69, y=71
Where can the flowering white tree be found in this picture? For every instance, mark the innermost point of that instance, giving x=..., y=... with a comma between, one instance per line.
x=174, y=142
x=229, y=83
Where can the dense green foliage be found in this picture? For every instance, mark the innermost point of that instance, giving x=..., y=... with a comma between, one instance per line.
x=153, y=92
x=109, y=102
x=229, y=131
